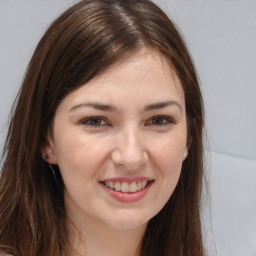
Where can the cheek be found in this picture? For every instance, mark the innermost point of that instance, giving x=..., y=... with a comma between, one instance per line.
x=168, y=158
x=80, y=155
x=168, y=154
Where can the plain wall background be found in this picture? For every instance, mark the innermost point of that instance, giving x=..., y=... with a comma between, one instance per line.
x=221, y=36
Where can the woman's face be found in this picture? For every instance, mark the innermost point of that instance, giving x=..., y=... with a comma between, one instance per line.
x=120, y=141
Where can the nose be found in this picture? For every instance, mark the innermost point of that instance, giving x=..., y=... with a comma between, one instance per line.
x=129, y=152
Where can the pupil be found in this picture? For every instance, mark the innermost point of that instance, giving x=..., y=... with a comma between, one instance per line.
x=95, y=121
x=158, y=120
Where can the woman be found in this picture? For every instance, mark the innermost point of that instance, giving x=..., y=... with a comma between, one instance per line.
x=104, y=150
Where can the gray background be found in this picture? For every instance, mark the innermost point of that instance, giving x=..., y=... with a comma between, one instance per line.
x=221, y=36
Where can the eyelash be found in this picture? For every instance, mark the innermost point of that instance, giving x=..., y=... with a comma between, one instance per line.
x=88, y=121
x=164, y=121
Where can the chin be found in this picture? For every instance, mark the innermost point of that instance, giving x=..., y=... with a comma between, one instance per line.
x=129, y=220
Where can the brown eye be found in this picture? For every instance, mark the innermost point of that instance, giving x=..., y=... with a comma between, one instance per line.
x=160, y=121
x=94, y=122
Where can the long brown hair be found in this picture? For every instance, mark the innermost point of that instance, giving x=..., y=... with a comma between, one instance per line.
x=82, y=43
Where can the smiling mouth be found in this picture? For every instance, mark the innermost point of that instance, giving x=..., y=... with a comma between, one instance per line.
x=126, y=187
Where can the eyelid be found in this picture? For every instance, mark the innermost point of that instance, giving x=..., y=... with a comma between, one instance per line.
x=169, y=120
x=91, y=118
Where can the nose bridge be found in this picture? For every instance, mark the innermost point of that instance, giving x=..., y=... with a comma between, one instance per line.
x=132, y=141
x=130, y=149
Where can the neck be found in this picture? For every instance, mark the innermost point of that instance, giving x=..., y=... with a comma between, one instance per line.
x=93, y=238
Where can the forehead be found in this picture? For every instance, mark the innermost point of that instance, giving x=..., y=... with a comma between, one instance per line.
x=142, y=78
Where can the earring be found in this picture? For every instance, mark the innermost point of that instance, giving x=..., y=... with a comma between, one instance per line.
x=53, y=172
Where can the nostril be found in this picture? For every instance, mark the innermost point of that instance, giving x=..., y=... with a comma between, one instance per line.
x=130, y=159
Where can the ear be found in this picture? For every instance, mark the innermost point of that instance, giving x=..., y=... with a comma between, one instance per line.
x=189, y=142
x=48, y=152
x=185, y=153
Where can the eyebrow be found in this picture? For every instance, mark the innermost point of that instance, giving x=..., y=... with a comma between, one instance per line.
x=98, y=106
x=111, y=108
x=164, y=104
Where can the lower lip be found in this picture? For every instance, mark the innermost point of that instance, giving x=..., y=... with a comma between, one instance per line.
x=127, y=197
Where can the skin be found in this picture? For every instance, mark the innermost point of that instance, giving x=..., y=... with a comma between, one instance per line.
x=130, y=140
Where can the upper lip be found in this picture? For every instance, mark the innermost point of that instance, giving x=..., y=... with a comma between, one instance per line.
x=127, y=179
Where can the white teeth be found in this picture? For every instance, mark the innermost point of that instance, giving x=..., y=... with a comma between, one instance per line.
x=133, y=187
x=139, y=185
x=111, y=184
x=125, y=187
x=117, y=186
x=144, y=184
